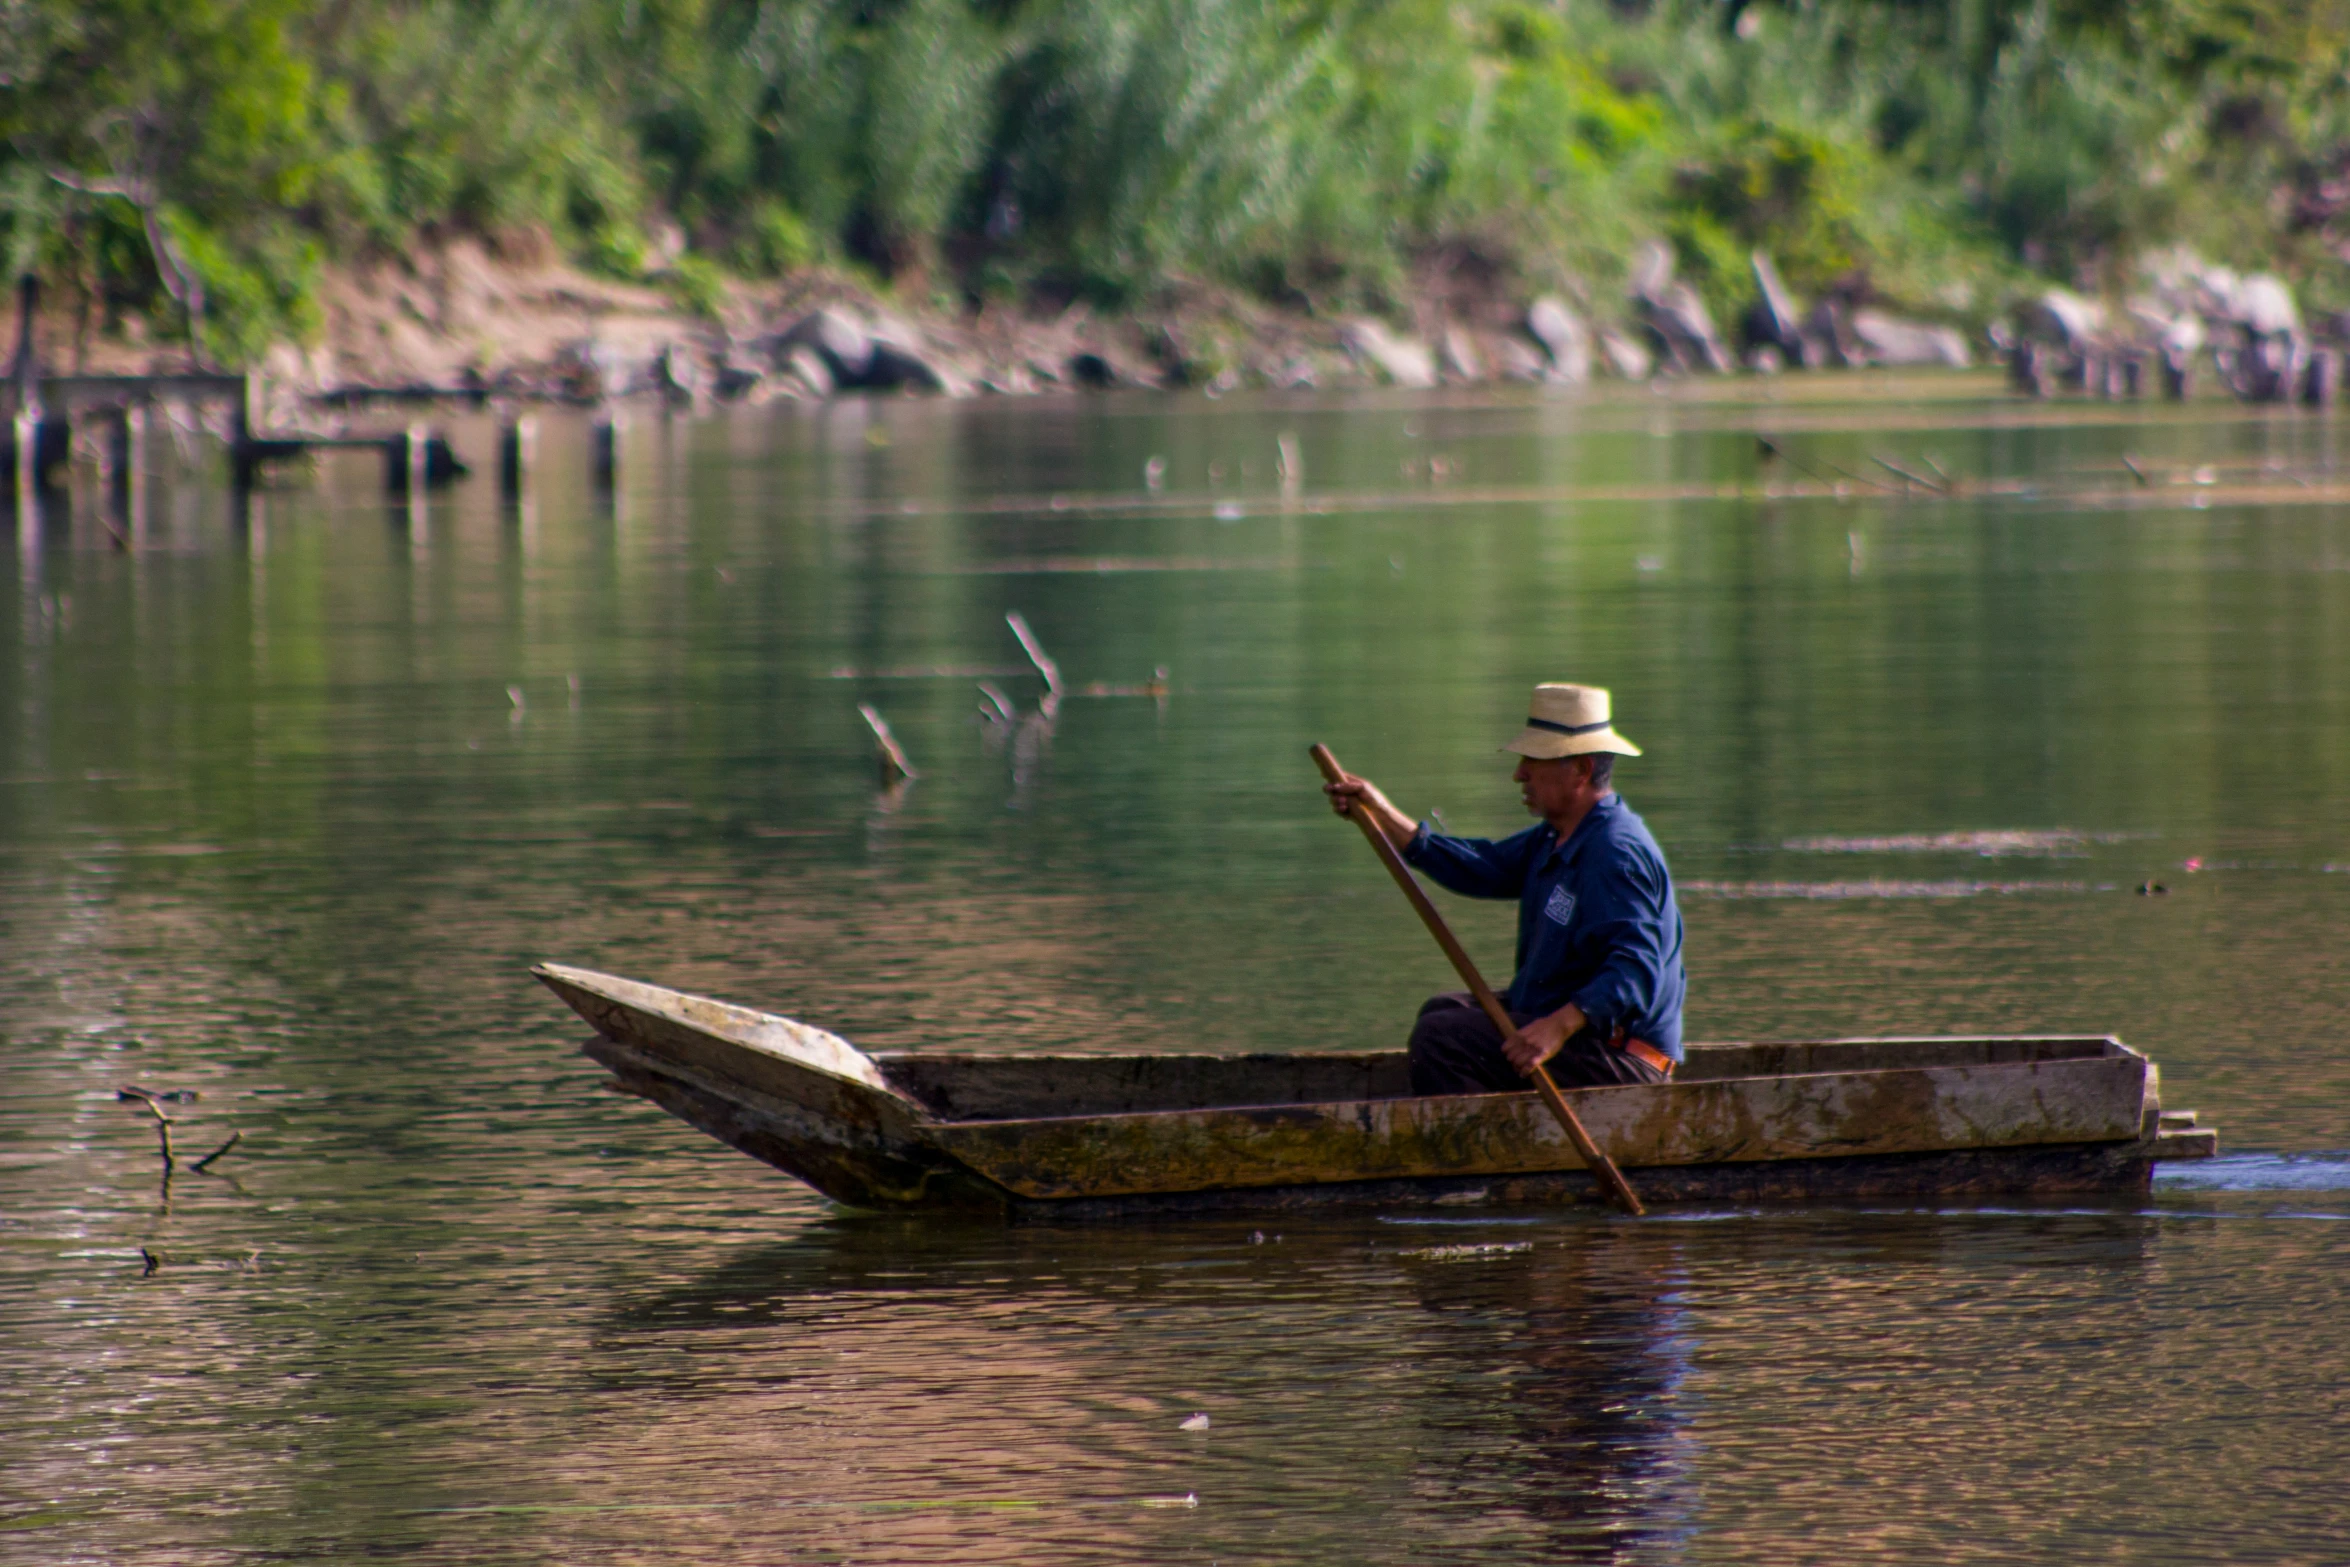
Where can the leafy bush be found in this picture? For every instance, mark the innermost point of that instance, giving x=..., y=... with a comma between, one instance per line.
x=1316, y=151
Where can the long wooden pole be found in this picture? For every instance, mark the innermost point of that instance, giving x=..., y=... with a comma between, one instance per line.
x=1603, y=1169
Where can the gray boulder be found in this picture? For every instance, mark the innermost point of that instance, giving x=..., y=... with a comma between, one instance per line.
x=881, y=356
x=1563, y=336
x=1828, y=338
x=1676, y=318
x=1516, y=359
x=806, y=366
x=1775, y=322
x=1889, y=340
x=2063, y=317
x=739, y=374
x=681, y=376
x=1462, y=362
x=901, y=367
x=903, y=359
x=2258, y=343
x=593, y=370
x=840, y=340
x=1625, y=357
x=1088, y=368
x=2183, y=336
x=1396, y=359
x=2264, y=304
x=1681, y=324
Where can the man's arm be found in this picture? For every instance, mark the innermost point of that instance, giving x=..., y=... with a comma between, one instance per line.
x=1472, y=867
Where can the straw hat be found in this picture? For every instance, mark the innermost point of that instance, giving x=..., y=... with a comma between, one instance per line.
x=1569, y=721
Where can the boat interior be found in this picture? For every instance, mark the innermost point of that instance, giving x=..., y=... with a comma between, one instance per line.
x=999, y=1088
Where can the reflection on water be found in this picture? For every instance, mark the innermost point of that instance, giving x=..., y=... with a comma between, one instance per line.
x=1586, y=1454
x=290, y=797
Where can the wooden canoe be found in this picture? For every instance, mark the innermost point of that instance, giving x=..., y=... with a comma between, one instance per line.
x=1910, y=1118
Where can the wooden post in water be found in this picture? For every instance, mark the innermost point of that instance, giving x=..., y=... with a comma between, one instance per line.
x=518, y=440
x=114, y=460
x=2321, y=382
x=604, y=447
x=244, y=461
x=395, y=455
x=134, y=471
x=38, y=440
x=24, y=370
x=2027, y=368
x=27, y=448
x=408, y=461
x=419, y=454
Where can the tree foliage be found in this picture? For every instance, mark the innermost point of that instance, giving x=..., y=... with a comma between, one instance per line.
x=197, y=161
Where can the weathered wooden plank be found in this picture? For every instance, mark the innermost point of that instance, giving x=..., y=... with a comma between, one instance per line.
x=987, y=1088
x=1955, y=1175
x=1724, y=1121
x=1790, y=1058
x=967, y=1087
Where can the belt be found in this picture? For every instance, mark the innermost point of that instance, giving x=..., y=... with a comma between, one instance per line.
x=1641, y=1050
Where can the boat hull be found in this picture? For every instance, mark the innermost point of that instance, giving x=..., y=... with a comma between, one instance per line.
x=1857, y=1120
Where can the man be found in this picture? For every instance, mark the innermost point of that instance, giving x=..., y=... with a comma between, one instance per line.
x=1599, y=985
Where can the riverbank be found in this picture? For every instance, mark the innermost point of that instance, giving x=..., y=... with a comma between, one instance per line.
x=462, y=319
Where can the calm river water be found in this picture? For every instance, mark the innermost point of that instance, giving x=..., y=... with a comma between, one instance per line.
x=289, y=802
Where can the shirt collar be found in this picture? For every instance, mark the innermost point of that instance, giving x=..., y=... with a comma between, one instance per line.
x=1606, y=802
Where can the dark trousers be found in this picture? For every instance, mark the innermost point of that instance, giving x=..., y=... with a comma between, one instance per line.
x=1457, y=1050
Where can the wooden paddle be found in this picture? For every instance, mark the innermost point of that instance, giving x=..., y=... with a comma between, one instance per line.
x=1603, y=1170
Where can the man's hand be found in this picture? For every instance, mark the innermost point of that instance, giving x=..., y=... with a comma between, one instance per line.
x=1350, y=791
x=1539, y=1040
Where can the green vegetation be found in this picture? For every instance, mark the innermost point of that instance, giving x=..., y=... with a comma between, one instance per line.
x=196, y=162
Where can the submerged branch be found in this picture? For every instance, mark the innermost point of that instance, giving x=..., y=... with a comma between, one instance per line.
x=892, y=756
x=1043, y=662
x=162, y=1122
x=204, y=1163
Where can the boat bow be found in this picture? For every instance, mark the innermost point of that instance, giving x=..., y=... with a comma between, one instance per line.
x=806, y=1101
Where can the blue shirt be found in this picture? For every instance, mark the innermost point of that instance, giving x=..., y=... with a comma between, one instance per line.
x=1597, y=924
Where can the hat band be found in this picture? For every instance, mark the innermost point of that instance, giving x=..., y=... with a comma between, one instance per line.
x=1568, y=729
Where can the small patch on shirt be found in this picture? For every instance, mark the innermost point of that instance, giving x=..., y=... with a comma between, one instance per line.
x=1560, y=910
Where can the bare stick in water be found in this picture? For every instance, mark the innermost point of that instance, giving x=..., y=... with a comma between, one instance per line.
x=894, y=765
x=162, y=1122
x=234, y=1138
x=1037, y=656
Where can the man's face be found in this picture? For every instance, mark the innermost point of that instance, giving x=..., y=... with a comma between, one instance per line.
x=1550, y=788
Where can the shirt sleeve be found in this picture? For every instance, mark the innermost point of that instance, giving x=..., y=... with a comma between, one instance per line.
x=1630, y=923
x=1472, y=867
